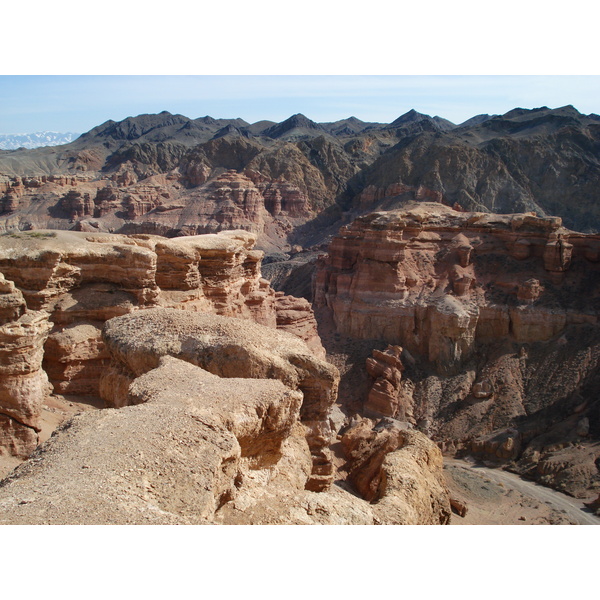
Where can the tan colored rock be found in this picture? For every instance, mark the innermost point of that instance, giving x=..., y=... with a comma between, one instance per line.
x=75, y=358
x=295, y=315
x=171, y=460
x=23, y=383
x=459, y=506
x=83, y=279
x=192, y=449
x=400, y=471
x=229, y=348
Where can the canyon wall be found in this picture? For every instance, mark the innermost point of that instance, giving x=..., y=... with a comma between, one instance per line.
x=195, y=202
x=59, y=288
x=492, y=326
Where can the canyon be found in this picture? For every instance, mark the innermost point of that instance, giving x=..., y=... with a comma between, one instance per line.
x=485, y=330
x=195, y=357
x=298, y=322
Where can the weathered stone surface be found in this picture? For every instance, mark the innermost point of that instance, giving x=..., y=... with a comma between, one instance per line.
x=193, y=448
x=436, y=281
x=76, y=281
x=75, y=357
x=23, y=383
x=387, y=396
x=400, y=471
x=229, y=348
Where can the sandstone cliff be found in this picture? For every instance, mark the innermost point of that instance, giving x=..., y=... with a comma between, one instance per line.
x=23, y=383
x=61, y=287
x=493, y=322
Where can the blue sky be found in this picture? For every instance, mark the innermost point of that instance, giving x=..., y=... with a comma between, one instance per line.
x=30, y=103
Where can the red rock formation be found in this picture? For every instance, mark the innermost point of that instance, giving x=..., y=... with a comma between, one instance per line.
x=437, y=281
x=77, y=204
x=500, y=313
x=80, y=280
x=373, y=194
x=23, y=383
x=386, y=396
x=195, y=201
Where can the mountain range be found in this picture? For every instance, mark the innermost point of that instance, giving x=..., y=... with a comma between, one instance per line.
x=12, y=141
x=540, y=160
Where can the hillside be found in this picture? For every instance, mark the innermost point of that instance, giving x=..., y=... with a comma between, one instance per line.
x=150, y=173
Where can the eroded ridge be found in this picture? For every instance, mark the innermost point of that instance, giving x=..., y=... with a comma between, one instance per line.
x=61, y=287
x=194, y=448
x=228, y=348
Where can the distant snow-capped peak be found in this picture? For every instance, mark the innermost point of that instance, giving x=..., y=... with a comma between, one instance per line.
x=12, y=141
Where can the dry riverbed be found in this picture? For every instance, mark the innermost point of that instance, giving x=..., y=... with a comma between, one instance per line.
x=497, y=497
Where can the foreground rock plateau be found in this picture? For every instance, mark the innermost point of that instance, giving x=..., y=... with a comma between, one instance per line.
x=219, y=400
x=485, y=333
x=194, y=448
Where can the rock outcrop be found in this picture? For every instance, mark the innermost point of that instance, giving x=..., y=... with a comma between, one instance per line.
x=228, y=348
x=67, y=284
x=23, y=383
x=497, y=316
x=398, y=469
x=438, y=281
x=386, y=395
x=193, y=448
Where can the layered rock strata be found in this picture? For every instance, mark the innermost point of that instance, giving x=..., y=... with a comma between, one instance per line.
x=192, y=448
x=23, y=383
x=228, y=348
x=438, y=281
x=174, y=204
x=67, y=284
x=497, y=316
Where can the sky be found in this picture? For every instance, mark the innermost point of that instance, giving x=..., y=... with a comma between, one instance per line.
x=77, y=103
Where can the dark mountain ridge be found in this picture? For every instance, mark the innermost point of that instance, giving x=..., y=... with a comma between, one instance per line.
x=544, y=160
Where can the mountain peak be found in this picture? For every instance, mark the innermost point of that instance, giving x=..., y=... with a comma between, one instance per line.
x=297, y=121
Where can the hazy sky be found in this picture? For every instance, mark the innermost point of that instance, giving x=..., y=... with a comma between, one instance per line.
x=30, y=103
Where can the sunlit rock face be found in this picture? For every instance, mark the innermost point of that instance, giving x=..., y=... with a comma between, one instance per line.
x=492, y=322
x=58, y=289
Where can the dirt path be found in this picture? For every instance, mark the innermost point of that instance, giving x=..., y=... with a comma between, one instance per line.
x=496, y=497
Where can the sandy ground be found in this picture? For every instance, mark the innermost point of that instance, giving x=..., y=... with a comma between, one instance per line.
x=497, y=497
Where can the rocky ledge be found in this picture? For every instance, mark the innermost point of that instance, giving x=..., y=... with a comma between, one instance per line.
x=191, y=447
x=59, y=288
